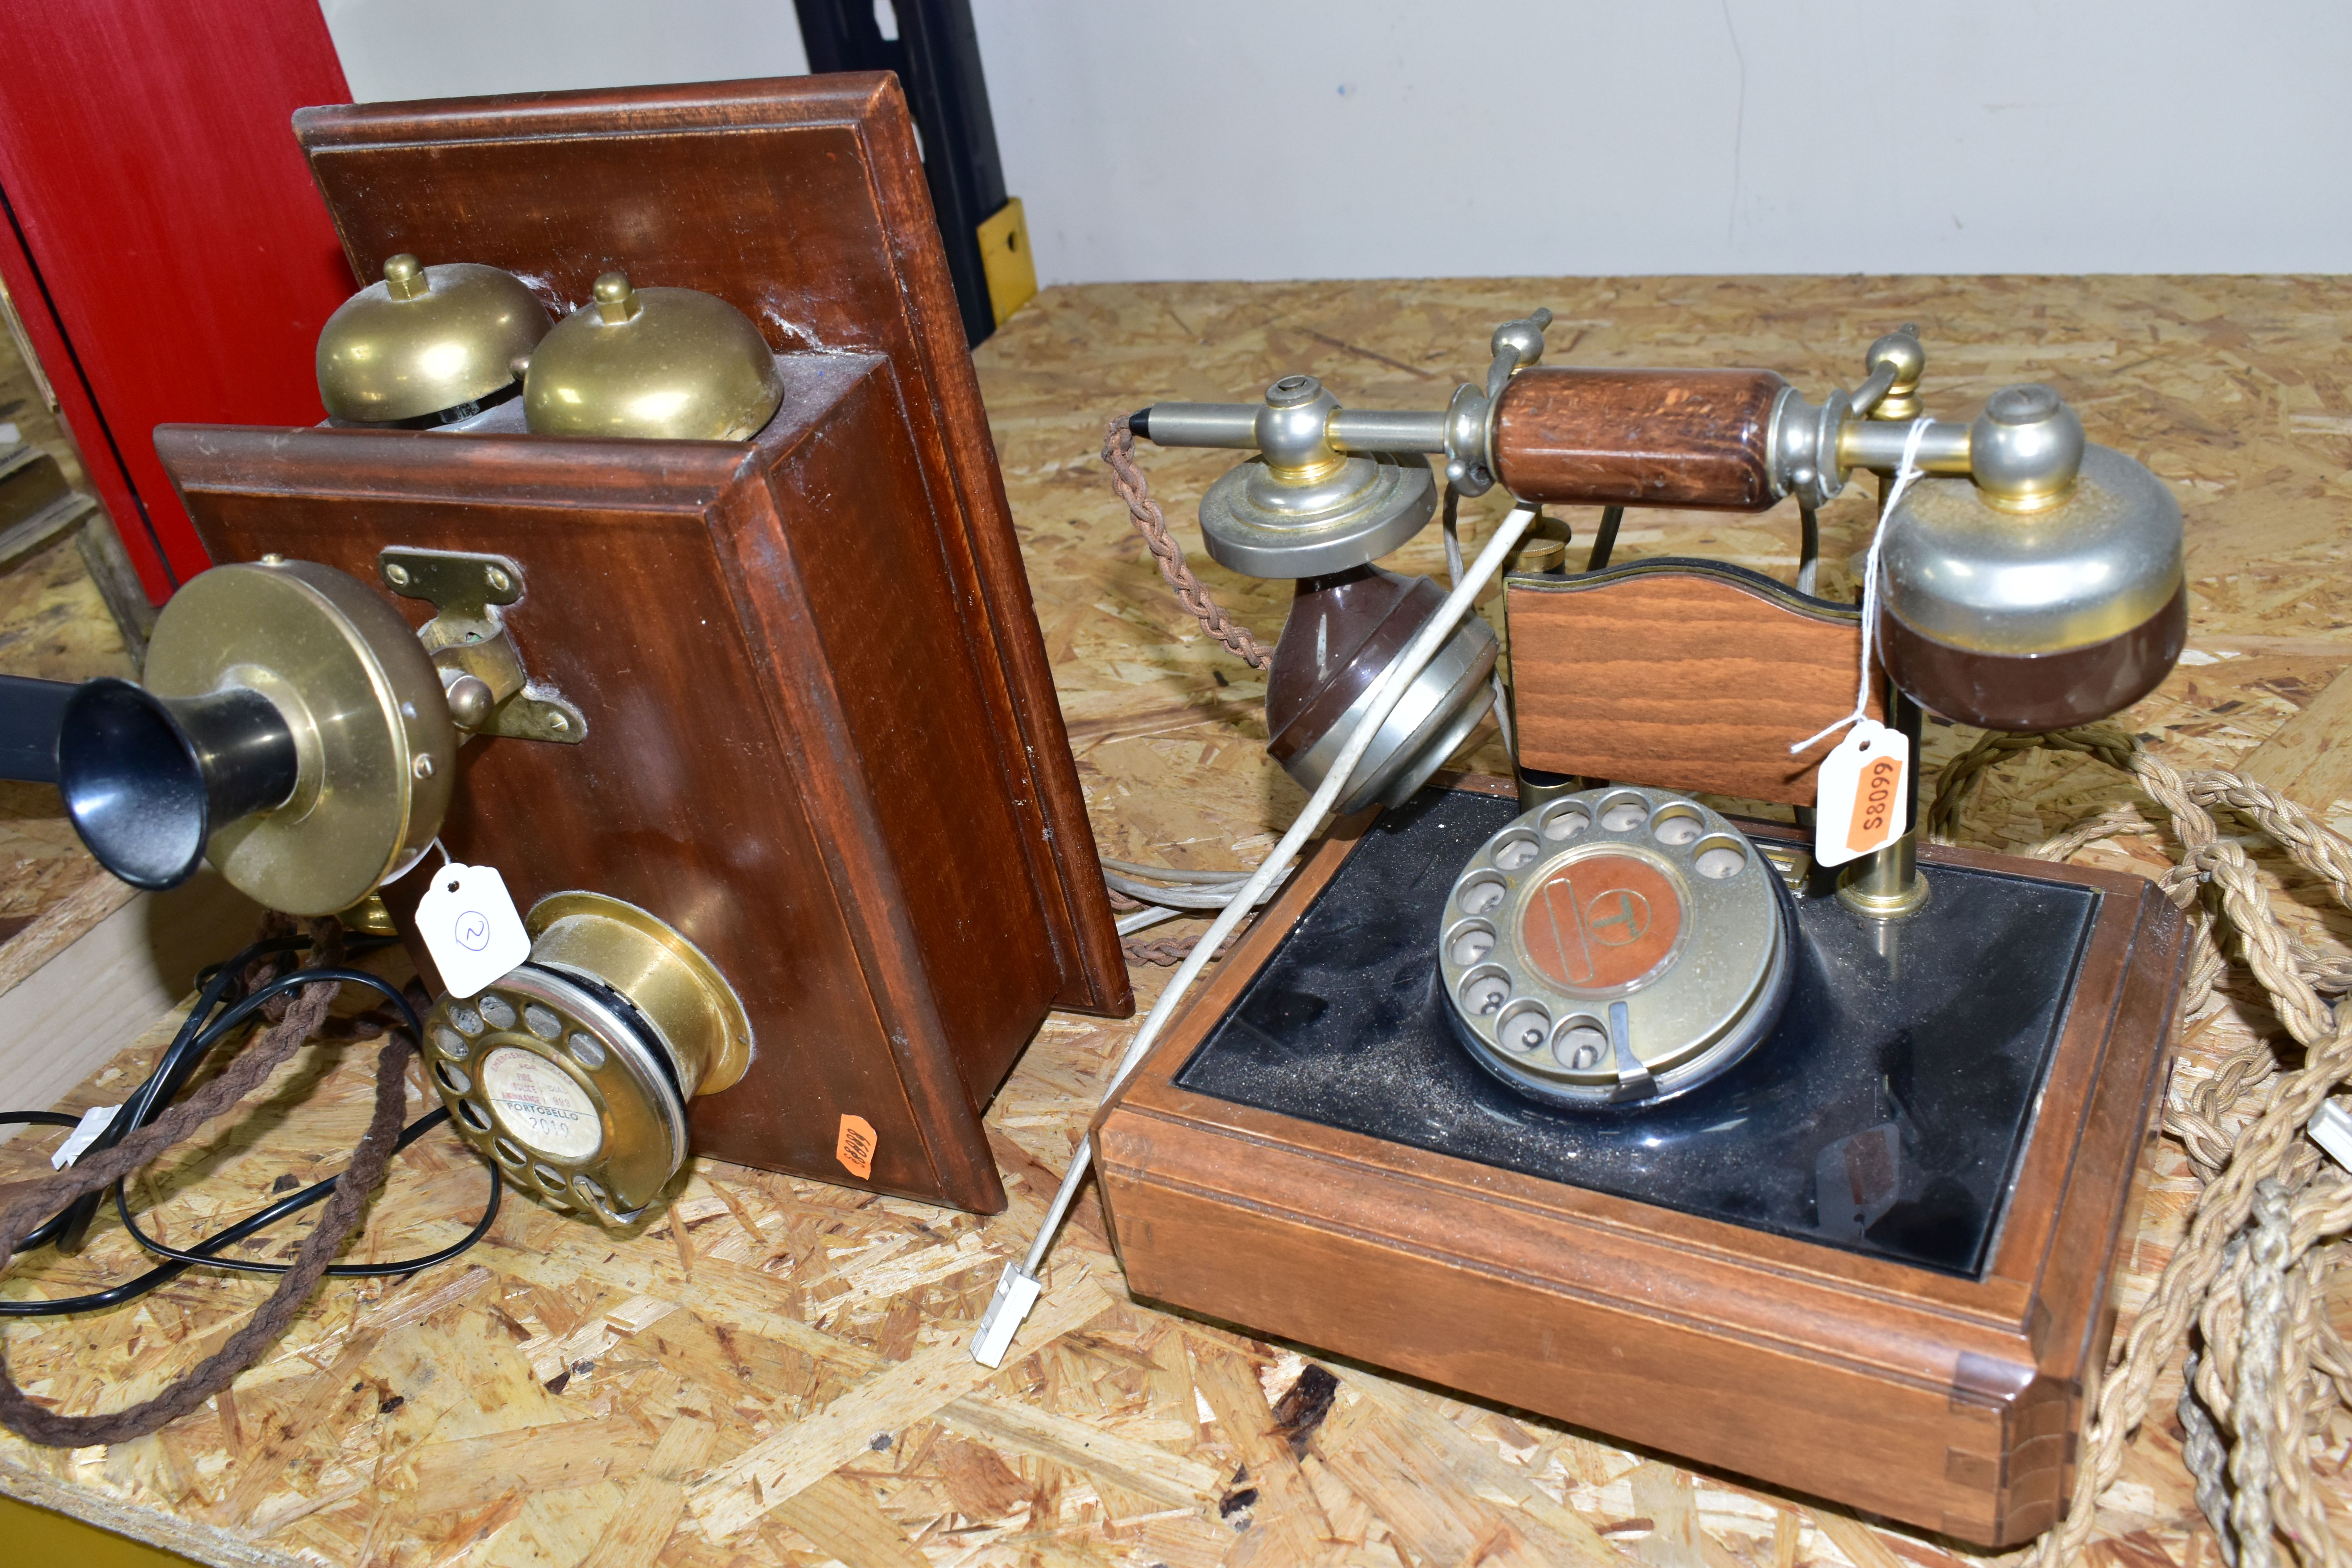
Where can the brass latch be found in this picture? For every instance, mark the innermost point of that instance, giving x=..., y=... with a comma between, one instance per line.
x=490, y=692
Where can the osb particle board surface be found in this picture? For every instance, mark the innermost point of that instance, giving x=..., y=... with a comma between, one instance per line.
x=53, y=626
x=773, y=1370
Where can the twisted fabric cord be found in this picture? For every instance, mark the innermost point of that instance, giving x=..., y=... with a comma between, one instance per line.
x=23, y=1205
x=2264, y=1292
x=1170, y=951
x=1118, y=451
x=2202, y=1451
x=2269, y=1360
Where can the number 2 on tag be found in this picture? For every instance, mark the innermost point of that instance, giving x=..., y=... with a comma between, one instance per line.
x=1864, y=794
x=469, y=926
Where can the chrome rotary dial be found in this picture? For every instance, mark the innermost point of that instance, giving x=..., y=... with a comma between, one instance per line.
x=1614, y=945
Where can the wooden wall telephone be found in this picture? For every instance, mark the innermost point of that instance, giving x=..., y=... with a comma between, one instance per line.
x=733, y=675
x=1604, y=1104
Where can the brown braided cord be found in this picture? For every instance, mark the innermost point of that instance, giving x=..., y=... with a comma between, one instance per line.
x=2258, y=1295
x=1118, y=451
x=23, y=1205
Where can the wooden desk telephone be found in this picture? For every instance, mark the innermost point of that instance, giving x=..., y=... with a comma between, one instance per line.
x=1798, y=1150
x=656, y=554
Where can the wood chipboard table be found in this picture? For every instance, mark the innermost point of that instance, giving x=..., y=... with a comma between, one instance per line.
x=774, y=1372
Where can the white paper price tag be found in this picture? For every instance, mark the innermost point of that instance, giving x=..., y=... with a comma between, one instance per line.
x=469, y=926
x=1864, y=793
x=94, y=1122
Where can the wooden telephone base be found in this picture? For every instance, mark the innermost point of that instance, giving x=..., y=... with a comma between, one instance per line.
x=1871, y=1262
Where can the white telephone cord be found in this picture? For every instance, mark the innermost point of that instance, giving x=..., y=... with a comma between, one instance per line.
x=1018, y=1288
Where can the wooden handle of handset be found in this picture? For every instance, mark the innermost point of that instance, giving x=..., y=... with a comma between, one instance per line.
x=1638, y=437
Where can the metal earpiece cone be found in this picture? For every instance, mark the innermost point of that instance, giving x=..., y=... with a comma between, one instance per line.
x=250, y=665
x=1344, y=632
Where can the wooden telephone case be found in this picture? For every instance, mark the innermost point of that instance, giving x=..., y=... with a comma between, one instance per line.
x=822, y=736
x=1947, y=1402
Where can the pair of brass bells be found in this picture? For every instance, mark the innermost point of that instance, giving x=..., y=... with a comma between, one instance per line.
x=429, y=346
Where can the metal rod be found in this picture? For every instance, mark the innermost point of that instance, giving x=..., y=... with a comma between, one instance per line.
x=1877, y=444
x=1911, y=720
x=1198, y=424
x=1604, y=541
x=1809, y=552
x=1386, y=430
x=1871, y=393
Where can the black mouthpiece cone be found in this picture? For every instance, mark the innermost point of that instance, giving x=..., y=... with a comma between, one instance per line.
x=147, y=780
x=30, y=712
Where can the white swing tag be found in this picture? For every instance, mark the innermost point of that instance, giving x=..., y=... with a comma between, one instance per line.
x=469, y=926
x=1863, y=794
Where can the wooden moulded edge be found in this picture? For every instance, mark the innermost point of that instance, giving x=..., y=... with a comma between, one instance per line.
x=1975, y=1371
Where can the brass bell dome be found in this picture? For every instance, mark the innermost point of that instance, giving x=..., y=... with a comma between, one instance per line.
x=428, y=344
x=675, y=363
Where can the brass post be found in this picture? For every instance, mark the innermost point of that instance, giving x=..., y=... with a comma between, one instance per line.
x=1887, y=884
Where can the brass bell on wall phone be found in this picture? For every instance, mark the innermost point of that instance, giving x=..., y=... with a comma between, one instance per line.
x=572, y=1071
x=673, y=363
x=428, y=345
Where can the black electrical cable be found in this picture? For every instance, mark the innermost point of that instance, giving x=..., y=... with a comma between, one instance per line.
x=297, y=1201
x=69, y=1224
x=179, y=1061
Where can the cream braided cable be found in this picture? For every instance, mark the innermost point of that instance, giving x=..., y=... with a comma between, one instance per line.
x=2265, y=1293
x=2288, y=1366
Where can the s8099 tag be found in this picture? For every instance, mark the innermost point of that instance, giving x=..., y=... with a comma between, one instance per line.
x=1864, y=794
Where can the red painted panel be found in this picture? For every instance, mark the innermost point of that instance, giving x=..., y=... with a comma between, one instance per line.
x=171, y=257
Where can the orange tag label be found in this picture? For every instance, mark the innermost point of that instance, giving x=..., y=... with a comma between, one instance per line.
x=1874, y=805
x=1863, y=792
x=854, y=1147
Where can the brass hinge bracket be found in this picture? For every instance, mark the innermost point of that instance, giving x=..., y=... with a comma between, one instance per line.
x=467, y=637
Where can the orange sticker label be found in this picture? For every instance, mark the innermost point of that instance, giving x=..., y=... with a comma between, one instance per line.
x=854, y=1147
x=1874, y=804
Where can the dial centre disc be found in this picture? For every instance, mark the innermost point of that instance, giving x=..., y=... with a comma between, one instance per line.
x=1602, y=923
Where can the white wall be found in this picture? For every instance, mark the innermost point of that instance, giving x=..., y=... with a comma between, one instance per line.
x=394, y=49
x=1395, y=137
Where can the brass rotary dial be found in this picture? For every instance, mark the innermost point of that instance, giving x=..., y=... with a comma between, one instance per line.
x=572, y=1071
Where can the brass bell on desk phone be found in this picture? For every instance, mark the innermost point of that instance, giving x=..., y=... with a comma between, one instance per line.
x=428, y=345
x=673, y=363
